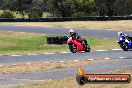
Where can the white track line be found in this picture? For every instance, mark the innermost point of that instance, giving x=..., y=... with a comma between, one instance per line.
x=61, y=61
x=16, y=55
x=68, y=27
x=14, y=64
x=64, y=52
x=49, y=53
x=121, y=57
x=107, y=58
x=28, y=63
x=116, y=49
x=34, y=54
x=90, y=59
x=76, y=60
x=102, y=50
x=29, y=54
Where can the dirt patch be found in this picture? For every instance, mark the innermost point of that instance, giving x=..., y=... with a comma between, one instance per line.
x=114, y=25
x=71, y=83
x=30, y=67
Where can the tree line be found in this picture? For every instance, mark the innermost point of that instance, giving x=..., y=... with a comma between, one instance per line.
x=68, y=8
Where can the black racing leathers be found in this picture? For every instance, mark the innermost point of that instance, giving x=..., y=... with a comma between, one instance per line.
x=76, y=36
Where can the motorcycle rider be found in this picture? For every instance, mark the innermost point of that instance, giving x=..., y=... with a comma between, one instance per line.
x=74, y=35
x=125, y=36
x=122, y=34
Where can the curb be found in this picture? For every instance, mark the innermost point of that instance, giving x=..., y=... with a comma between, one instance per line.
x=63, y=61
x=55, y=53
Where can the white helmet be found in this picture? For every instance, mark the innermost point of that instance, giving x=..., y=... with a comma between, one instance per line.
x=120, y=33
x=71, y=30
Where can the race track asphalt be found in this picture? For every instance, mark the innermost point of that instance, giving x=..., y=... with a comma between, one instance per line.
x=6, y=60
x=123, y=62
x=65, y=31
x=60, y=56
x=13, y=79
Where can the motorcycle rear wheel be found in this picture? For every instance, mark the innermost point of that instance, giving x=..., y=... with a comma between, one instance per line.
x=88, y=49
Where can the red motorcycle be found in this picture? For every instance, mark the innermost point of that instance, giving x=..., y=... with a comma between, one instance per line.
x=76, y=46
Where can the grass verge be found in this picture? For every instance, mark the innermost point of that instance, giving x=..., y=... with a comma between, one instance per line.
x=71, y=83
x=28, y=43
x=31, y=67
x=24, y=43
x=114, y=25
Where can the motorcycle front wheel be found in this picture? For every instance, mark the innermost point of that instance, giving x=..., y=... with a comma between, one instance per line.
x=73, y=48
x=124, y=46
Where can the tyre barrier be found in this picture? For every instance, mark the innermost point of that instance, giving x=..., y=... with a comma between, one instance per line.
x=57, y=40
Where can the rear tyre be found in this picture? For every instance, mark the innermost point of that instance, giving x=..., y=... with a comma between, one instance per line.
x=73, y=48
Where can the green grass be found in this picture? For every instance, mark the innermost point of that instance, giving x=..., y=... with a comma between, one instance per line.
x=24, y=43
x=17, y=15
x=21, y=43
x=102, y=43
